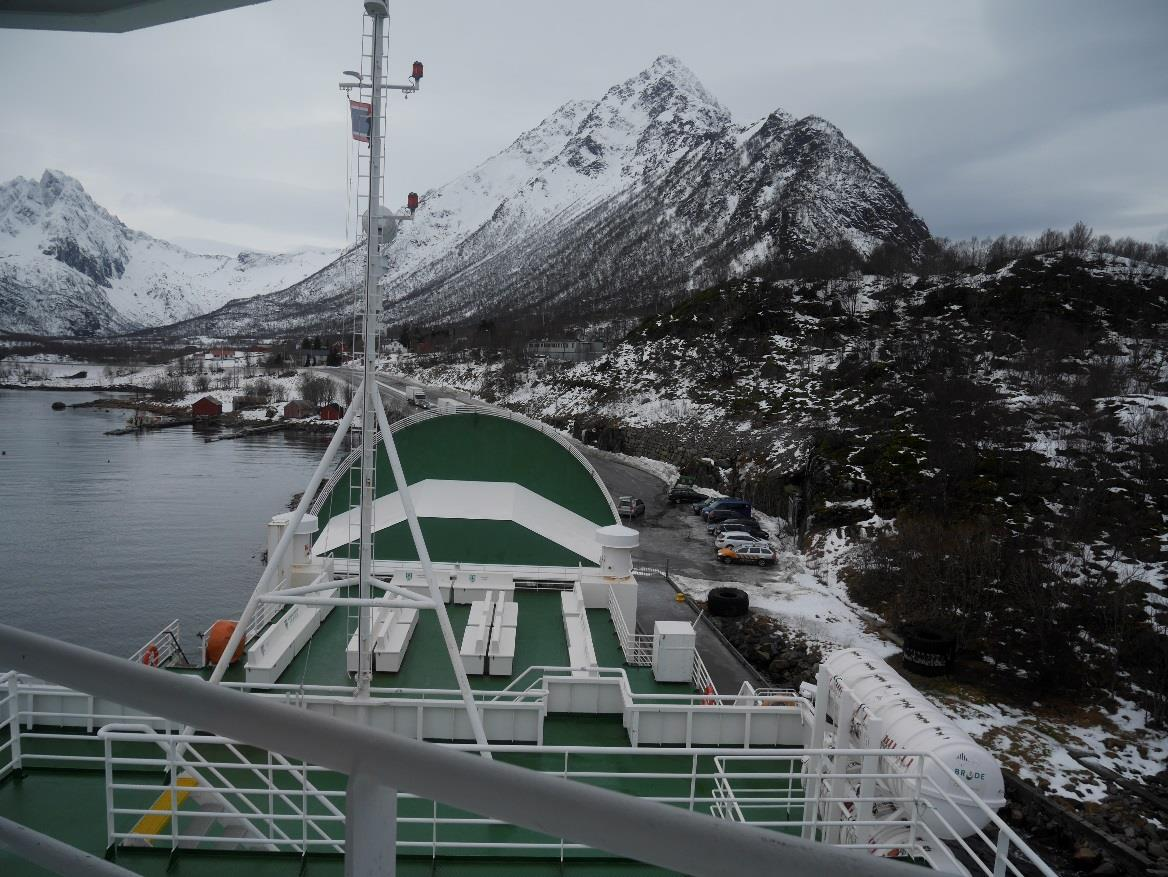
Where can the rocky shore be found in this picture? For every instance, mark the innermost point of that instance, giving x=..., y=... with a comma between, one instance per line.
x=783, y=656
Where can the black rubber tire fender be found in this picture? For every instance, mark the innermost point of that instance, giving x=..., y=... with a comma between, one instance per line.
x=928, y=651
x=727, y=602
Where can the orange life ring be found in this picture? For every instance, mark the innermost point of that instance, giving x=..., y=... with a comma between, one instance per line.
x=150, y=657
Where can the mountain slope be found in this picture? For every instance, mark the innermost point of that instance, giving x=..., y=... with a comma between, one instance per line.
x=69, y=267
x=647, y=192
x=985, y=451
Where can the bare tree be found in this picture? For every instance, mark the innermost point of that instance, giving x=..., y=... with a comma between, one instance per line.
x=1080, y=237
x=315, y=389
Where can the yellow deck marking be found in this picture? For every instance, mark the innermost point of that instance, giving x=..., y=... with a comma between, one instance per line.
x=156, y=822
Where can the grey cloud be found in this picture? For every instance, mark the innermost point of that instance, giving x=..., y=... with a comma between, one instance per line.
x=993, y=117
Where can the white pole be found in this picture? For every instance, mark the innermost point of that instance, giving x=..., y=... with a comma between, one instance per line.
x=52, y=854
x=373, y=232
x=282, y=546
x=472, y=711
x=14, y=755
x=370, y=828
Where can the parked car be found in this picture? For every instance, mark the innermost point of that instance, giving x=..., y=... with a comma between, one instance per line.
x=630, y=507
x=736, y=537
x=759, y=553
x=698, y=506
x=717, y=516
x=740, y=507
x=748, y=525
x=685, y=493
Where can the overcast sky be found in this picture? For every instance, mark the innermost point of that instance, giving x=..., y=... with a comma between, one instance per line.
x=992, y=117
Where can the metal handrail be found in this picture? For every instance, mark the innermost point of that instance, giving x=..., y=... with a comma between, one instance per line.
x=165, y=644
x=659, y=835
x=722, y=800
x=637, y=648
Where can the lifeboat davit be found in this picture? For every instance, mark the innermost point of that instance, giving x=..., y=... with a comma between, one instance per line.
x=218, y=636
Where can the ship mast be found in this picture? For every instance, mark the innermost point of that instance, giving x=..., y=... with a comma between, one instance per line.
x=375, y=231
x=381, y=226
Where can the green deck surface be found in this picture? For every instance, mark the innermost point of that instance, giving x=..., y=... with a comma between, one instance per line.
x=462, y=540
x=540, y=642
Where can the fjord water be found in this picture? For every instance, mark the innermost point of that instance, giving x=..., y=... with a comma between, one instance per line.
x=106, y=539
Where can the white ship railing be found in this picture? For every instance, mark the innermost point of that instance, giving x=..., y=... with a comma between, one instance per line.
x=10, y=759
x=638, y=651
x=834, y=803
x=164, y=645
x=576, y=815
x=379, y=764
x=53, y=712
x=637, y=647
x=702, y=682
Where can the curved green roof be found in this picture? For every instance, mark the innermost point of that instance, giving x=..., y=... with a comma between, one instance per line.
x=480, y=448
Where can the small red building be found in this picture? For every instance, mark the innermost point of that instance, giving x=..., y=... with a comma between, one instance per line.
x=331, y=411
x=208, y=406
x=297, y=408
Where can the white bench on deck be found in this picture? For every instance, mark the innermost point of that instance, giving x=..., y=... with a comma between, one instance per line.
x=274, y=649
x=581, y=653
x=391, y=631
x=485, y=586
x=490, y=631
x=504, y=628
x=390, y=648
x=474, y=639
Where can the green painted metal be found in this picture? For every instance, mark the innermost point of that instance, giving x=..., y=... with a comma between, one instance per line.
x=480, y=447
x=457, y=540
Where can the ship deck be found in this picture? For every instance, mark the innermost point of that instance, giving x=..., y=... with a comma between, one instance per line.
x=540, y=642
x=62, y=790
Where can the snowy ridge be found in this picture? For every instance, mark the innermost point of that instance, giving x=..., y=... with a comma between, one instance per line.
x=69, y=267
x=652, y=190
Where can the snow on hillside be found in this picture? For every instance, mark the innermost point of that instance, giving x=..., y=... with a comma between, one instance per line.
x=647, y=192
x=68, y=266
x=983, y=450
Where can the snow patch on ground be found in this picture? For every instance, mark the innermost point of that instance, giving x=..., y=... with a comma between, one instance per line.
x=796, y=596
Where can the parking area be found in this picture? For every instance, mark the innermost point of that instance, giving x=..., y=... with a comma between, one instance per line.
x=673, y=538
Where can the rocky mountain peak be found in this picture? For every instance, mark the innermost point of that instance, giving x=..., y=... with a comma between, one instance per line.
x=69, y=266
x=55, y=184
x=643, y=123
x=645, y=193
x=554, y=130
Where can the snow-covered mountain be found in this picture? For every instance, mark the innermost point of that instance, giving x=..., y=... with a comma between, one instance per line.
x=648, y=192
x=69, y=267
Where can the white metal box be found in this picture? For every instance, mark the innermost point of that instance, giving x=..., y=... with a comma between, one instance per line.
x=674, y=643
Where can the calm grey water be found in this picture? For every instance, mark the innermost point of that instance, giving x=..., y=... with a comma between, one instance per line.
x=106, y=539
